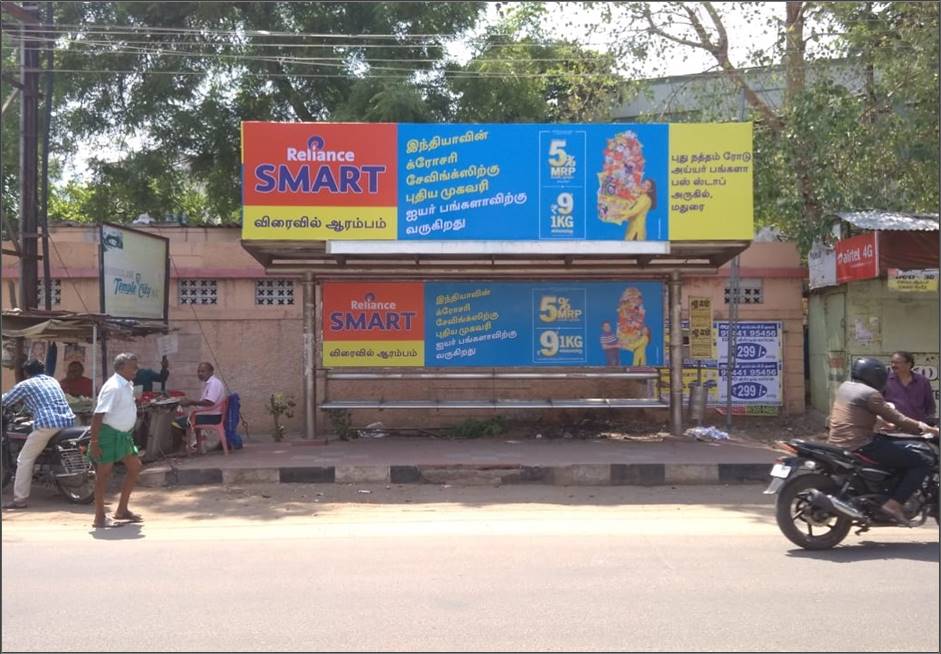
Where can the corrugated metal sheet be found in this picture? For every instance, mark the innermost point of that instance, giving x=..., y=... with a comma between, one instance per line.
x=888, y=220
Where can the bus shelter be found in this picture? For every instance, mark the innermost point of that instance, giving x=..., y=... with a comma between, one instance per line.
x=512, y=252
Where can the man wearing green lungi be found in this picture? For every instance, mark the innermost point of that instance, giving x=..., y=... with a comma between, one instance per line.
x=112, y=440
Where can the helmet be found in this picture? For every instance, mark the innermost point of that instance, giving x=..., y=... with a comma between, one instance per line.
x=871, y=372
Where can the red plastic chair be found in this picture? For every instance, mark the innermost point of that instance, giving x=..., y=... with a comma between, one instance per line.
x=218, y=428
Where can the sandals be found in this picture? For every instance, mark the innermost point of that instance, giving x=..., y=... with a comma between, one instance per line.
x=128, y=516
x=108, y=523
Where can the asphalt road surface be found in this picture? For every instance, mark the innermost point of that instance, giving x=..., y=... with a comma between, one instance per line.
x=314, y=568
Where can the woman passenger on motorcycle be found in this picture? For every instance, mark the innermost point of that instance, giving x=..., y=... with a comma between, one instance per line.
x=857, y=405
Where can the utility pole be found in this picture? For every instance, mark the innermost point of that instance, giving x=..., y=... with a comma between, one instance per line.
x=28, y=87
x=28, y=15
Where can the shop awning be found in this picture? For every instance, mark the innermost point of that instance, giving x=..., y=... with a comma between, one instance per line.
x=73, y=327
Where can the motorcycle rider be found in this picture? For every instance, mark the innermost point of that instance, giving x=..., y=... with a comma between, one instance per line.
x=51, y=413
x=857, y=405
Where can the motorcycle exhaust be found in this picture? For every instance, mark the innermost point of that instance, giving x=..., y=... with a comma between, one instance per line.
x=832, y=505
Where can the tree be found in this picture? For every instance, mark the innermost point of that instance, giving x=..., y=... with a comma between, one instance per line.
x=828, y=147
x=180, y=77
x=519, y=74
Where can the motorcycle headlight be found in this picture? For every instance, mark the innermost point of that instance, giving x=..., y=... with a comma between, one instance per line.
x=810, y=465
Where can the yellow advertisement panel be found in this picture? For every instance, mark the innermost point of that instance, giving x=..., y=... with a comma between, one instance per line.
x=339, y=354
x=691, y=375
x=711, y=191
x=701, y=340
x=306, y=223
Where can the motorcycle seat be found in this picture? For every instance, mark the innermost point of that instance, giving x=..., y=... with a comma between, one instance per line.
x=824, y=447
x=68, y=434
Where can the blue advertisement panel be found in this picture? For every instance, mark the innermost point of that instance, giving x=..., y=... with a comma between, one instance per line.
x=533, y=182
x=543, y=324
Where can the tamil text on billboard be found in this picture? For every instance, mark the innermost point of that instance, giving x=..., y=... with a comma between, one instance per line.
x=531, y=182
x=492, y=324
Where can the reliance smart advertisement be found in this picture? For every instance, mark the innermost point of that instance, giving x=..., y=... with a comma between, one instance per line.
x=493, y=324
x=531, y=182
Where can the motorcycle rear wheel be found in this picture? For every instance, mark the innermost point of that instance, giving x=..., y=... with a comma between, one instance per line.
x=6, y=461
x=78, y=492
x=798, y=521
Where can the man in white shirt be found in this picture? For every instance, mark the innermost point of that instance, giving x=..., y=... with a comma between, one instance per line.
x=112, y=440
x=211, y=398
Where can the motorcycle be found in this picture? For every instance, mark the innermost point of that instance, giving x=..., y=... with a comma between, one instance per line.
x=831, y=490
x=62, y=463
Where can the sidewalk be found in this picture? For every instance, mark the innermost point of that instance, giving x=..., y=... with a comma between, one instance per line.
x=474, y=462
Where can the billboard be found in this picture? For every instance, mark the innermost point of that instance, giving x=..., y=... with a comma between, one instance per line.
x=519, y=182
x=492, y=324
x=134, y=273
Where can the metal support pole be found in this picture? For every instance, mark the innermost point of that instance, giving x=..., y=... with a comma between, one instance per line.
x=735, y=290
x=309, y=362
x=94, y=360
x=676, y=356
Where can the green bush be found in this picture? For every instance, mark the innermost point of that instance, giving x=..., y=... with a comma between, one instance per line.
x=472, y=428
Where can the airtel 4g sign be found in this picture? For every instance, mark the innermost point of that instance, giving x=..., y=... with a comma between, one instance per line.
x=857, y=258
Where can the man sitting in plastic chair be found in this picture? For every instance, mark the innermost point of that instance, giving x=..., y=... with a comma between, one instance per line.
x=210, y=405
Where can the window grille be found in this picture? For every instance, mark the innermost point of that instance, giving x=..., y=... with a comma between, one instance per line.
x=274, y=291
x=750, y=291
x=56, y=293
x=198, y=291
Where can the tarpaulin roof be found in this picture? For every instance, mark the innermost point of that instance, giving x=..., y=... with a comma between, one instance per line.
x=73, y=327
x=891, y=220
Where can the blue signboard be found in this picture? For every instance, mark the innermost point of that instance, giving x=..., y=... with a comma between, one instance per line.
x=543, y=324
x=575, y=182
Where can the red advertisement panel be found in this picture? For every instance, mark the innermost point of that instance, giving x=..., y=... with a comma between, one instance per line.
x=319, y=164
x=381, y=311
x=857, y=258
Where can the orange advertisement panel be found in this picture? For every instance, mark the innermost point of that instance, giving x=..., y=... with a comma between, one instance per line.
x=319, y=164
x=373, y=324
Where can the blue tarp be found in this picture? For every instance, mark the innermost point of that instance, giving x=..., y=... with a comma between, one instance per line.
x=232, y=418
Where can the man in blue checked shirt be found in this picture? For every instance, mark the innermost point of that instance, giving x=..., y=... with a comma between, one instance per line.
x=45, y=400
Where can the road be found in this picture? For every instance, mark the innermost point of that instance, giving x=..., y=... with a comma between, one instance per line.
x=327, y=567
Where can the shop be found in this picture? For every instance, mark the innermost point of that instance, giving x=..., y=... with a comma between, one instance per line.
x=873, y=291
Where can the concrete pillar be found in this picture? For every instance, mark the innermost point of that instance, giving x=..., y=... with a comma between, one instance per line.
x=309, y=359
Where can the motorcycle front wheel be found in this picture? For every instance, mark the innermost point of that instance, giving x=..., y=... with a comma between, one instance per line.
x=803, y=524
x=78, y=490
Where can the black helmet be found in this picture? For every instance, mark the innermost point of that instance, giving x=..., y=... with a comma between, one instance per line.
x=871, y=372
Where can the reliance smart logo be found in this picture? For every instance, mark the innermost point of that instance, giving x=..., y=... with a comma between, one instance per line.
x=319, y=181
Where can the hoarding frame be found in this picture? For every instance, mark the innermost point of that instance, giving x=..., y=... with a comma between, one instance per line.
x=101, y=270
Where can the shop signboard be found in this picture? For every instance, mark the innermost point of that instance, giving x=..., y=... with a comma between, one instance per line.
x=492, y=324
x=857, y=258
x=508, y=182
x=913, y=281
x=821, y=264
